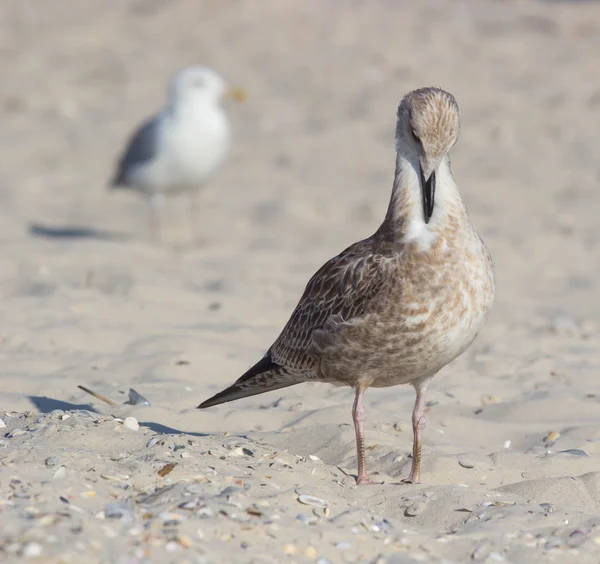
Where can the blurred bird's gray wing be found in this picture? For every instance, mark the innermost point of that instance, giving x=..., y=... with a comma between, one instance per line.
x=342, y=289
x=142, y=148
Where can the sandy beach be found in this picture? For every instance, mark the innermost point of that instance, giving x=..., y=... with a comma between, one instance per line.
x=511, y=458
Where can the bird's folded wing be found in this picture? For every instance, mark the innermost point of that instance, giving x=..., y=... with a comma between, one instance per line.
x=344, y=287
x=142, y=148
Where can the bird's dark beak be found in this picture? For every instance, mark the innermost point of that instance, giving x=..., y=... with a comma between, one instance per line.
x=428, y=192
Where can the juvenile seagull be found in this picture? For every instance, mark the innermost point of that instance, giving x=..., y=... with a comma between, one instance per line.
x=398, y=306
x=178, y=149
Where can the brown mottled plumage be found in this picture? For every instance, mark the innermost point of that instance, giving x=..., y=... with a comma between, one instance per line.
x=398, y=306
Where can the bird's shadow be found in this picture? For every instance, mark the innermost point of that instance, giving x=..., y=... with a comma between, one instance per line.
x=66, y=232
x=46, y=405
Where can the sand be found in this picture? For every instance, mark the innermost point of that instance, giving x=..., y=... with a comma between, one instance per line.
x=511, y=469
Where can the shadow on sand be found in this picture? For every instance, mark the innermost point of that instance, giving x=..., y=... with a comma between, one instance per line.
x=70, y=232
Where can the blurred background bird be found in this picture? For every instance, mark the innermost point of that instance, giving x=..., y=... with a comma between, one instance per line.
x=178, y=150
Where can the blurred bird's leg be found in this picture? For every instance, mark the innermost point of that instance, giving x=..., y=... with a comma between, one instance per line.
x=194, y=217
x=359, y=416
x=154, y=217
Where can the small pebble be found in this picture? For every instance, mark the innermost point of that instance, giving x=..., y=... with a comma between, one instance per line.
x=551, y=437
x=52, y=461
x=310, y=552
x=466, y=463
x=118, y=456
x=151, y=442
x=32, y=550
x=416, y=508
x=131, y=423
x=119, y=510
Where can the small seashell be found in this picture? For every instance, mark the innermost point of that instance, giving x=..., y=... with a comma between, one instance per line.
x=551, y=437
x=310, y=552
x=503, y=503
x=229, y=490
x=466, y=463
x=289, y=549
x=166, y=469
x=118, y=456
x=507, y=443
x=131, y=423
x=52, y=461
x=489, y=400
x=151, y=442
x=2, y=424
x=398, y=427
x=120, y=510
x=185, y=541
x=16, y=433
x=574, y=452
x=306, y=520
x=32, y=550
x=311, y=500
x=60, y=473
x=342, y=545
x=204, y=513
x=136, y=399
x=114, y=477
x=315, y=458
x=416, y=508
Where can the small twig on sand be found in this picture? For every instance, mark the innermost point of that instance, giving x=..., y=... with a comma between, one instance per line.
x=100, y=397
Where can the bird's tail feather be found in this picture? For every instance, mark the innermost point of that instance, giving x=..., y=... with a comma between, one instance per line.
x=263, y=377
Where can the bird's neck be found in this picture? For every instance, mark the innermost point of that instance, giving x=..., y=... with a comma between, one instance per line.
x=404, y=221
x=194, y=108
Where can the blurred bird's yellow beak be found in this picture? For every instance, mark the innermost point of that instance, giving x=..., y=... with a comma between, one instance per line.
x=237, y=94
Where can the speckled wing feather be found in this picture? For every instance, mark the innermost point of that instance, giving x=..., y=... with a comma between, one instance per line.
x=343, y=288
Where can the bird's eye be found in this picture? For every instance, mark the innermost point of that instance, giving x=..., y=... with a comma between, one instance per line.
x=414, y=134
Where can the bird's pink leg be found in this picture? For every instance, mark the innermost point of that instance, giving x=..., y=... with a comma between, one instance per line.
x=418, y=423
x=359, y=416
